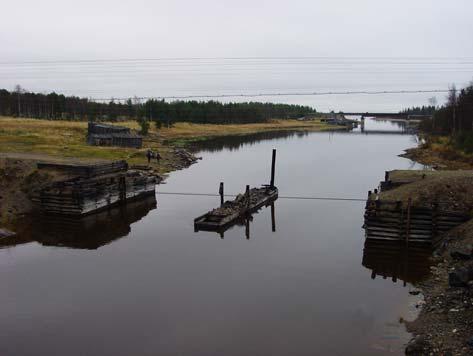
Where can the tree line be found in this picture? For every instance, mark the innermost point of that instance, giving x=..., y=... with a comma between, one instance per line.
x=53, y=106
x=454, y=118
x=419, y=110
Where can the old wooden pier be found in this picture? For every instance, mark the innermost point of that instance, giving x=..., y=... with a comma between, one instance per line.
x=402, y=220
x=231, y=212
x=94, y=187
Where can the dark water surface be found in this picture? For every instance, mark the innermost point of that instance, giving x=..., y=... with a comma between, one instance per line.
x=155, y=287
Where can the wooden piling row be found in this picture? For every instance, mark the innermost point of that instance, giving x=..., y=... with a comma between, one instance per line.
x=389, y=220
x=82, y=196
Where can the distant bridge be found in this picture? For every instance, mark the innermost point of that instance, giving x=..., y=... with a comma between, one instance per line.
x=377, y=114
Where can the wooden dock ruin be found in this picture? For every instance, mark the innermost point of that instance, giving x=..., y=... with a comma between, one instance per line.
x=235, y=211
x=231, y=212
x=407, y=221
x=96, y=187
x=395, y=221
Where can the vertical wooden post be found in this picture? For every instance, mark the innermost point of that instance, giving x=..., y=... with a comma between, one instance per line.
x=122, y=188
x=408, y=225
x=400, y=227
x=435, y=206
x=273, y=167
x=247, y=197
x=221, y=192
x=273, y=218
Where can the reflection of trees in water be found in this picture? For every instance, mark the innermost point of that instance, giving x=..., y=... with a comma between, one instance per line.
x=234, y=142
x=87, y=232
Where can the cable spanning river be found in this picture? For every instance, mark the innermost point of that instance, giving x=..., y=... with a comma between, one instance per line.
x=140, y=281
x=183, y=77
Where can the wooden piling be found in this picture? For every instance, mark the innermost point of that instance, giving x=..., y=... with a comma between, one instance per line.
x=273, y=219
x=273, y=167
x=221, y=192
x=408, y=224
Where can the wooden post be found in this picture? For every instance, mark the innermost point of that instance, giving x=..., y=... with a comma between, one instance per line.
x=273, y=167
x=401, y=219
x=221, y=192
x=273, y=218
x=408, y=225
x=435, y=206
x=122, y=188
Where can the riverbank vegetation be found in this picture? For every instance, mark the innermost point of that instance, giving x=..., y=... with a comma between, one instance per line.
x=68, y=138
x=448, y=135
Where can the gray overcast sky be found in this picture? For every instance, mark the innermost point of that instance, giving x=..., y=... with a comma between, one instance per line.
x=61, y=29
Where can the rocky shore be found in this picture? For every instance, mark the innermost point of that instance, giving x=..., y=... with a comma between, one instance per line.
x=445, y=323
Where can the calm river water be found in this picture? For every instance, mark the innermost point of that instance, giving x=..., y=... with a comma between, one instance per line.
x=155, y=287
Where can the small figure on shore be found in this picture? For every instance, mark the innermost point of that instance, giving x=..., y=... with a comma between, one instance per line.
x=149, y=155
x=158, y=157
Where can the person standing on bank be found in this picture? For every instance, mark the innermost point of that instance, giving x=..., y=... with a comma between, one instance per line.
x=158, y=157
x=149, y=154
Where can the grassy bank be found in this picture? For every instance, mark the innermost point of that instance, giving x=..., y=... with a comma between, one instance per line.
x=66, y=139
x=441, y=153
x=23, y=142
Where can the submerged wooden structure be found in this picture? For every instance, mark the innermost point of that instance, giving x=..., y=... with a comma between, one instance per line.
x=235, y=211
x=95, y=187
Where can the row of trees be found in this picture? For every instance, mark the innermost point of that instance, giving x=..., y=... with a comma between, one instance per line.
x=456, y=116
x=20, y=103
x=420, y=110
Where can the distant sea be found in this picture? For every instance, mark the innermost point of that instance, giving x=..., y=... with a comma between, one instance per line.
x=236, y=76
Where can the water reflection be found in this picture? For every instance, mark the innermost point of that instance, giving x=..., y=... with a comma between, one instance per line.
x=234, y=142
x=395, y=260
x=89, y=232
x=368, y=126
